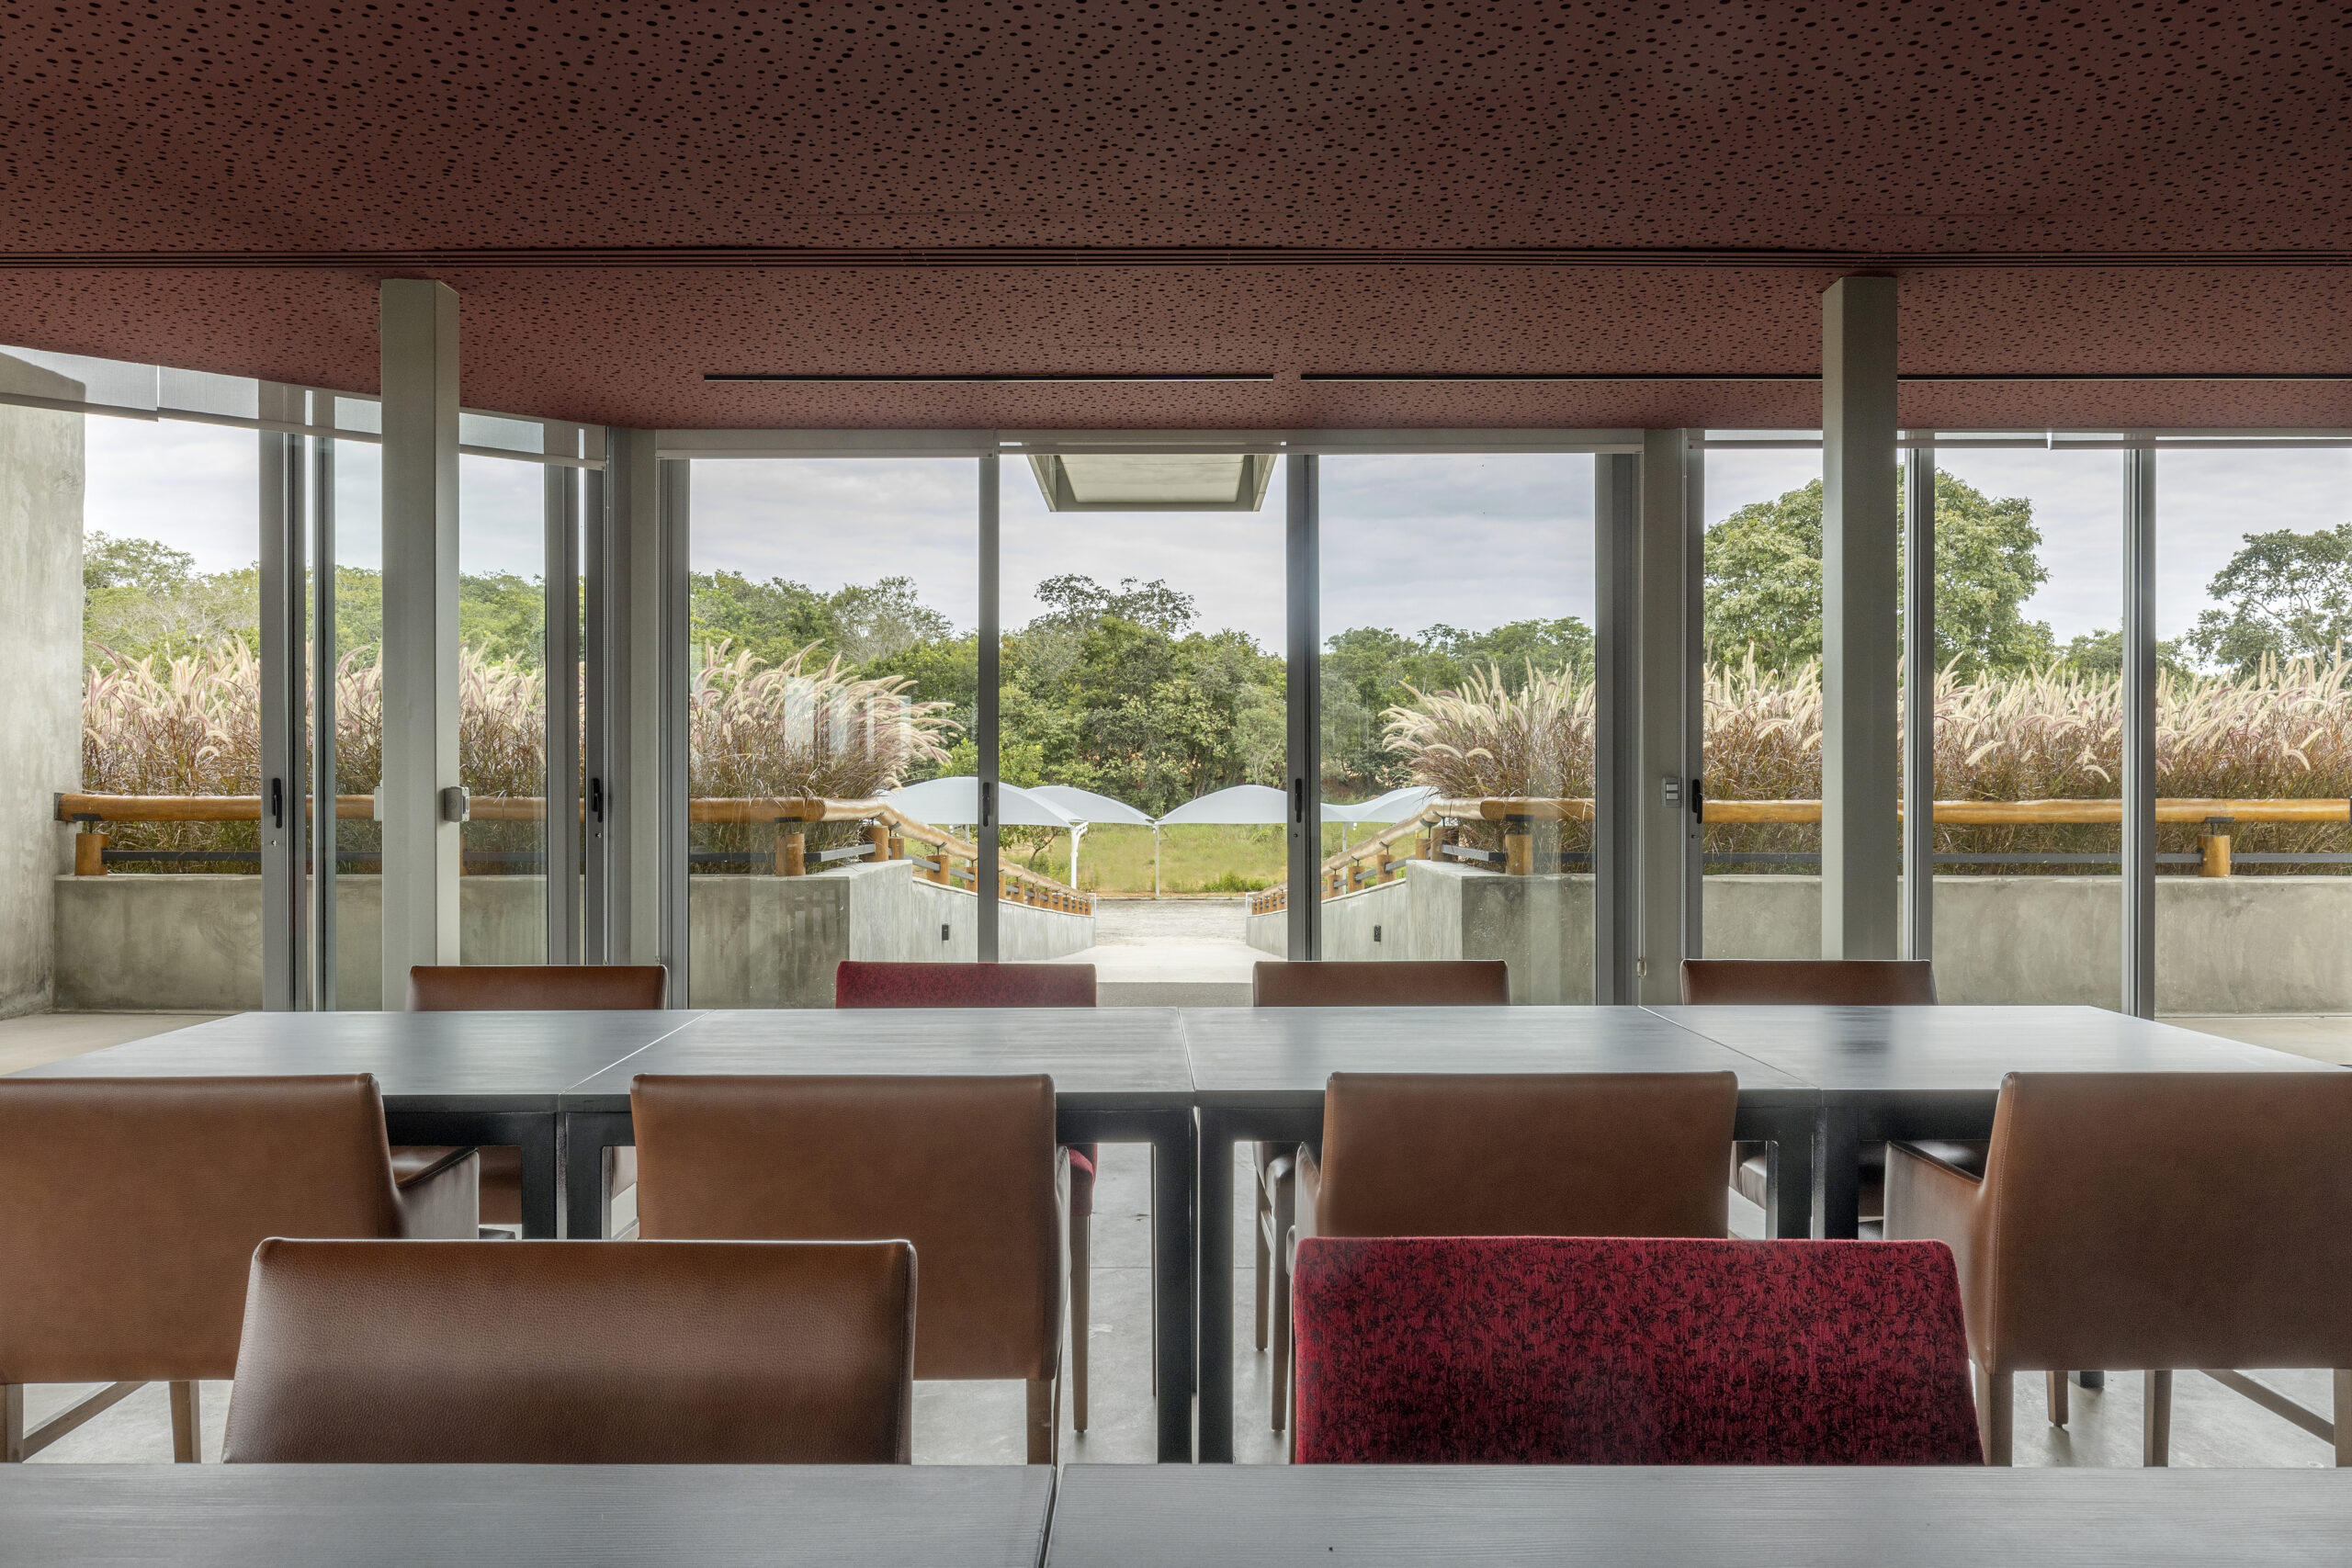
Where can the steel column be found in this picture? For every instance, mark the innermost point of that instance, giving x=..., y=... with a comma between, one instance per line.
x=1919, y=704
x=419, y=384
x=1860, y=590
x=2139, y=732
x=1665, y=772
x=1616, y=778
x=1303, y=680
x=561, y=786
x=988, y=873
x=326, y=837
x=675, y=629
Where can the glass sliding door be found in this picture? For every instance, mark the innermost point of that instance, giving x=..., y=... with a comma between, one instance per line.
x=1142, y=713
x=834, y=662
x=1457, y=688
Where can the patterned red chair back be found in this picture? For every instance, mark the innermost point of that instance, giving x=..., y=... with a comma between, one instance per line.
x=861, y=985
x=1588, y=1350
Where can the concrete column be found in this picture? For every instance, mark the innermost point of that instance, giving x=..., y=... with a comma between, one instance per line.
x=1860, y=591
x=41, y=672
x=419, y=386
x=1668, y=741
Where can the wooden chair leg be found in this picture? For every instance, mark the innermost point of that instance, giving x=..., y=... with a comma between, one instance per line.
x=1278, y=1364
x=2156, y=1425
x=1995, y=1415
x=188, y=1425
x=1044, y=1419
x=2341, y=1414
x=1081, y=1311
x=2057, y=1382
x=1265, y=1261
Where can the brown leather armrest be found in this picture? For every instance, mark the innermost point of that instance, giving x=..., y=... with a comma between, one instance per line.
x=441, y=1200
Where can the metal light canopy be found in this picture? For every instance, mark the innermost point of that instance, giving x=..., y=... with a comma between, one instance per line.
x=1153, y=482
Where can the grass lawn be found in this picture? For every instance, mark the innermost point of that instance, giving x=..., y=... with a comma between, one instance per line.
x=1208, y=858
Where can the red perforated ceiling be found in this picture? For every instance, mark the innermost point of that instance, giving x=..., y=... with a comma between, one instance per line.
x=1920, y=137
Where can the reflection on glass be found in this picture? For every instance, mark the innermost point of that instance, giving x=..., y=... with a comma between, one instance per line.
x=1457, y=686
x=835, y=660
x=2254, y=613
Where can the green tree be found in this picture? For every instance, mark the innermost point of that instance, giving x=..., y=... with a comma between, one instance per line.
x=1366, y=671
x=142, y=598
x=777, y=618
x=1763, y=580
x=2288, y=595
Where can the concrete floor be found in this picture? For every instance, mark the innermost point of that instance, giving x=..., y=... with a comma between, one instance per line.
x=1170, y=952
x=981, y=1423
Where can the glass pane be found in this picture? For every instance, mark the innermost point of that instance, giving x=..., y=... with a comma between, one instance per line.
x=835, y=614
x=1142, y=681
x=502, y=710
x=358, y=496
x=2253, y=608
x=2029, y=706
x=1457, y=677
x=1761, y=733
x=171, y=712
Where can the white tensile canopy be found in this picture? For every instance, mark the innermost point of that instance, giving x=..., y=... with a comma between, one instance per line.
x=1259, y=805
x=957, y=801
x=1089, y=808
x=1394, y=806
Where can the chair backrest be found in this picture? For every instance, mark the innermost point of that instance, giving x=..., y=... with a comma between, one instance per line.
x=129, y=1208
x=859, y=984
x=1582, y=1351
x=2169, y=1220
x=1442, y=983
x=1796, y=982
x=964, y=1167
x=537, y=987
x=576, y=1352
x=1551, y=1154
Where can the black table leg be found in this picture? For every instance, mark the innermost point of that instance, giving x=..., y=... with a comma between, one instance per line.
x=1215, y=1222
x=585, y=1137
x=534, y=1133
x=1172, y=1226
x=542, y=1178
x=1837, y=1173
x=1788, y=1199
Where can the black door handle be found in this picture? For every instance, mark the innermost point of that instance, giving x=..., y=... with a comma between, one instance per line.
x=278, y=804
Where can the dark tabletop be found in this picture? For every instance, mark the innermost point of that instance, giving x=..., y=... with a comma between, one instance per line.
x=1132, y=1059
x=516, y=1517
x=1284, y=1517
x=1966, y=1049
x=1281, y=1056
x=455, y=1061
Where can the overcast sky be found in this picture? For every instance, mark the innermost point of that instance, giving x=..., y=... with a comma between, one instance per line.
x=1408, y=542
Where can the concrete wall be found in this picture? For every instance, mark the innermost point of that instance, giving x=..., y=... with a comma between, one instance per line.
x=40, y=668
x=193, y=944
x=1542, y=926
x=2240, y=944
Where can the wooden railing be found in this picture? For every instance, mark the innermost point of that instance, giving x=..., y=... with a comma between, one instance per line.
x=951, y=863
x=1432, y=831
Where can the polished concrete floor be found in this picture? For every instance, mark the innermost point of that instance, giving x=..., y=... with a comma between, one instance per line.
x=981, y=1423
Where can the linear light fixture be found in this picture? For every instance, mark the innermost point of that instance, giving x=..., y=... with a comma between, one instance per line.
x=979, y=380
x=1807, y=375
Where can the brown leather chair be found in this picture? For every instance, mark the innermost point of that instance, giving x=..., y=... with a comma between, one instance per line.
x=530, y=987
x=1512, y=1154
x=1797, y=982
x=2077, y=1250
x=967, y=1169
x=1415, y=982
x=576, y=1352
x=130, y=1210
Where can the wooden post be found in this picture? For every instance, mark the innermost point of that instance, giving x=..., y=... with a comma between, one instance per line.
x=2216, y=846
x=1380, y=871
x=878, y=835
x=1518, y=847
x=791, y=853
x=89, y=854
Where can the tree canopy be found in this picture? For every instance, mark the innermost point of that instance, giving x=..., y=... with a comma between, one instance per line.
x=1763, y=580
x=2288, y=596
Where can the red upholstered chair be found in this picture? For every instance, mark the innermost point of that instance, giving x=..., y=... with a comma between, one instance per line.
x=1406, y=982
x=528, y=987
x=1819, y=982
x=858, y=984
x=1598, y=1351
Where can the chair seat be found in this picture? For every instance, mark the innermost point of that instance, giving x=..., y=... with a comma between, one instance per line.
x=1749, y=1175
